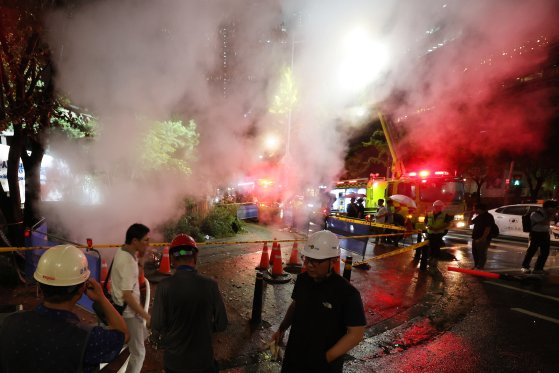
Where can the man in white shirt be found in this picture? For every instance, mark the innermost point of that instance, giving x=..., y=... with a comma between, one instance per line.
x=126, y=291
x=380, y=217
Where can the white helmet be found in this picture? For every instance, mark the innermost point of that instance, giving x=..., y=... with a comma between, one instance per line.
x=322, y=245
x=62, y=265
x=438, y=203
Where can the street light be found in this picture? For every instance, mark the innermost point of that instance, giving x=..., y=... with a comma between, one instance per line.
x=363, y=59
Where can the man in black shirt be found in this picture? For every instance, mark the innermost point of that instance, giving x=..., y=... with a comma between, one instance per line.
x=481, y=235
x=326, y=315
x=186, y=310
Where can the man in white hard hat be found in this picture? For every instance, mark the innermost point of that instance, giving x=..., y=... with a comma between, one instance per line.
x=437, y=223
x=326, y=315
x=51, y=338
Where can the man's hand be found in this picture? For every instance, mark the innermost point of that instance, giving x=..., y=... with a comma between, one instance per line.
x=94, y=291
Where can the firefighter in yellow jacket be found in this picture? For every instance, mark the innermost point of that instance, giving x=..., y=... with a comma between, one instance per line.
x=436, y=223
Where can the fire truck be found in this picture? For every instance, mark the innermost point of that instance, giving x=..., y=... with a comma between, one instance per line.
x=423, y=187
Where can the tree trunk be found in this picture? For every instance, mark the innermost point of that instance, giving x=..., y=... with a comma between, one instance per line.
x=15, y=230
x=32, y=165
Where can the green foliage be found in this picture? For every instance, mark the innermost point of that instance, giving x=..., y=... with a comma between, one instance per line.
x=222, y=221
x=170, y=145
x=287, y=94
x=72, y=122
x=188, y=223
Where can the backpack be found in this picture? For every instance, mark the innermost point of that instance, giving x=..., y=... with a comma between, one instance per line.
x=494, y=231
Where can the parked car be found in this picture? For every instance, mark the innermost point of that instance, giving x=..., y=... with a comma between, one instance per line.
x=509, y=219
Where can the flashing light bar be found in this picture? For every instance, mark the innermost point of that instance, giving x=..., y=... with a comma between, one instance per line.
x=424, y=173
x=441, y=173
x=412, y=174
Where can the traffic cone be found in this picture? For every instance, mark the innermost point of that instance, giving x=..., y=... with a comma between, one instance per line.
x=304, y=269
x=104, y=271
x=277, y=268
x=337, y=266
x=273, y=254
x=264, y=259
x=165, y=265
x=141, y=277
x=294, y=264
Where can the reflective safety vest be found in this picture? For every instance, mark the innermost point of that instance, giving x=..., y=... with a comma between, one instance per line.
x=436, y=224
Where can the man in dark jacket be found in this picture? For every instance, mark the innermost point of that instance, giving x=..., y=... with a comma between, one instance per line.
x=186, y=310
x=539, y=237
x=481, y=235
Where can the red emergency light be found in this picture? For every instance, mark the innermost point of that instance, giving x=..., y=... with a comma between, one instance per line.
x=441, y=173
x=27, y=233
x=412, y=173
x=424, y=173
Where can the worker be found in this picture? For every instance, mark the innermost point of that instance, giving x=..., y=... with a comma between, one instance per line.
x=437, y=223
x=326, y=315
x=187, y=309
x=51, y=337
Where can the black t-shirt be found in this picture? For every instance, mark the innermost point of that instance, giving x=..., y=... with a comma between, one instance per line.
x=482, y=221
x=323, y=311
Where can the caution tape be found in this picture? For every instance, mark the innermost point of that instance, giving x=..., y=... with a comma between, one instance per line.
x=372, y=223
x=392, y=253
x=212, y=243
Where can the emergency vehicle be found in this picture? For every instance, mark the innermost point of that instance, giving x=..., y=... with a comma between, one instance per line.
x=424, y=187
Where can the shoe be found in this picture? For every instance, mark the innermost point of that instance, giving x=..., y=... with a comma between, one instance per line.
x=539, y=272
x=525, y=270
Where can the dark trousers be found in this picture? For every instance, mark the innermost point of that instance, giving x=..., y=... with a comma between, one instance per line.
x=479, y=251
x=417, y=254
x=435, y=243
x=537, y=240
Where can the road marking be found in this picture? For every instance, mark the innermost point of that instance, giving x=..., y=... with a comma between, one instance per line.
x=540, y=316
x=497, y=251
x=516, y=269
x=523, y=291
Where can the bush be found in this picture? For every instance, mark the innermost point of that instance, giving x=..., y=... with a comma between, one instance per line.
x=222, y=221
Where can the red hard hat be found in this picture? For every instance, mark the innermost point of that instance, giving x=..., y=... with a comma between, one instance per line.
x=183, y=240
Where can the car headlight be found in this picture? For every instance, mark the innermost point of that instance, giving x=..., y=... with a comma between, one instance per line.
x=458, y=217
x=421, y=219
x=460, y=224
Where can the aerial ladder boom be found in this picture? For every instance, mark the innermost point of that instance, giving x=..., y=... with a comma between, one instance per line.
x=397, y=169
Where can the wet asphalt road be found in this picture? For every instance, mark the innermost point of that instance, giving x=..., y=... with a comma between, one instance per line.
x=437, y=320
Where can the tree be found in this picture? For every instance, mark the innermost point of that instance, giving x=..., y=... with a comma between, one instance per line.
x=169, y=145
x=28, y=105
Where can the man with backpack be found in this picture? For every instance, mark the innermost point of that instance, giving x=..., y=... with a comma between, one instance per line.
x=539, y=237
x=481, y=235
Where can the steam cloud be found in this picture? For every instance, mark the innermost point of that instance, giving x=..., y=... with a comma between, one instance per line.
x=135, y=59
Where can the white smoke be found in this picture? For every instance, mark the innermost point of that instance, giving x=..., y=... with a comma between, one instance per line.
x=132, y=59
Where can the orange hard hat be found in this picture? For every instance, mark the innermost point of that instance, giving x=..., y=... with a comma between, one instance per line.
x=183, y=240
x=183, y=245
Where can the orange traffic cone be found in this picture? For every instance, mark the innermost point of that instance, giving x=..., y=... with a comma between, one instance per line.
x=264, y=259
x=273, y=254
x=141, y=277
x=277, y=268
x=294, y=259
x=337, y=266
x=104, y=271
x=294, y=264
x=165, y=265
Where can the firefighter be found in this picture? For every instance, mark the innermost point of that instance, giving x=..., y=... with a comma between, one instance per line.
x=437, y=223
x=51, y=337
